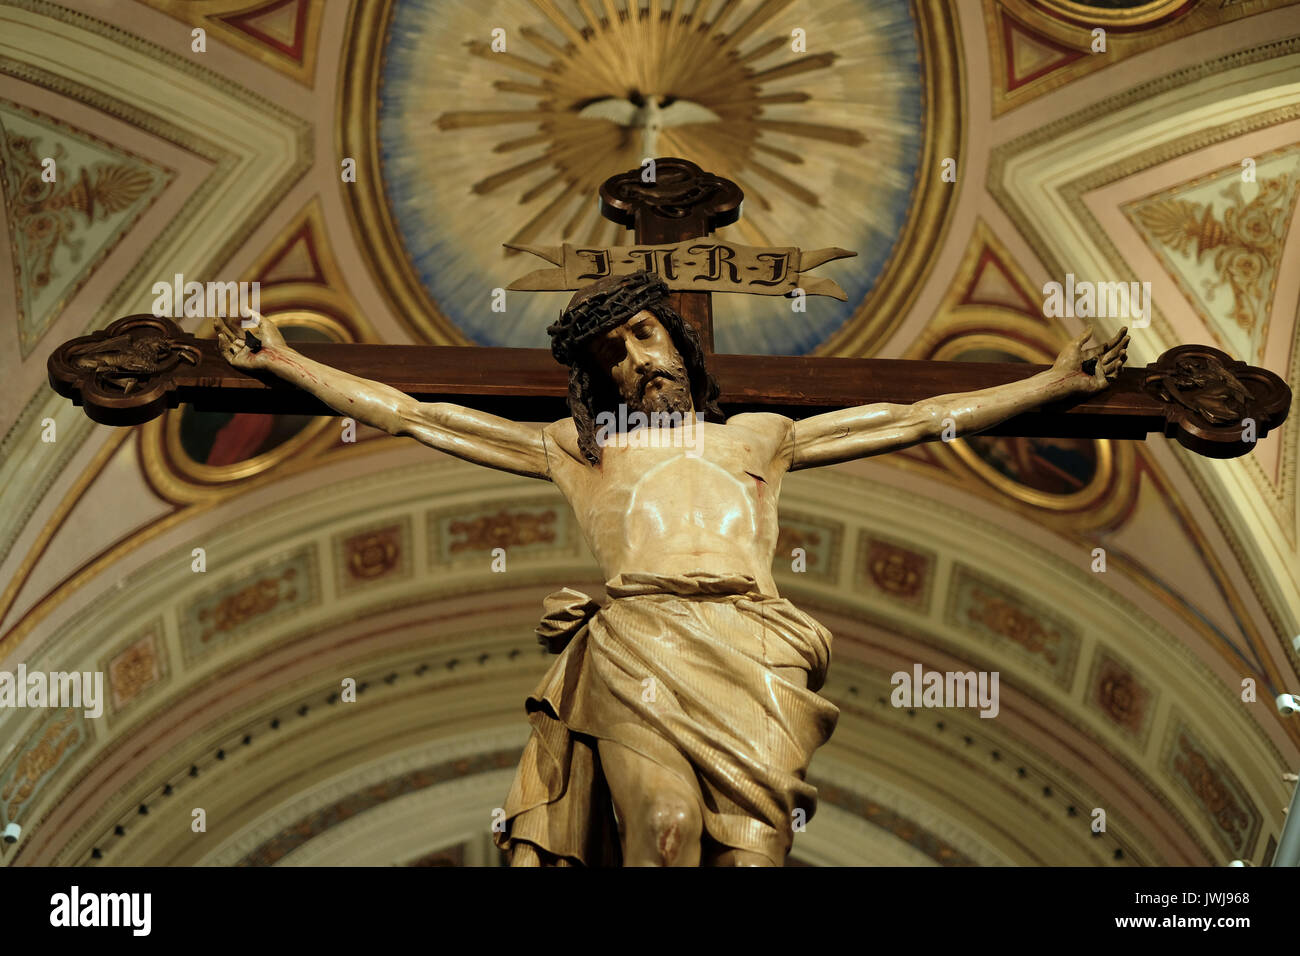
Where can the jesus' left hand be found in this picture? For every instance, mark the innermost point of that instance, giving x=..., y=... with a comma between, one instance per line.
x=1110, y=359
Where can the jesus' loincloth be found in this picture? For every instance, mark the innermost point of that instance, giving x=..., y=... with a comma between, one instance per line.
x=723, y=673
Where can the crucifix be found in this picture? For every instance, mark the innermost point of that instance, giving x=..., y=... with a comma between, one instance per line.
x=676, y=724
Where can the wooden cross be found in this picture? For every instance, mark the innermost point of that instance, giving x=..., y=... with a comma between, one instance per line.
x=141, y=365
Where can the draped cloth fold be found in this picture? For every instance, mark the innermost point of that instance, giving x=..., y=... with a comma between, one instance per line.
x=723, y=673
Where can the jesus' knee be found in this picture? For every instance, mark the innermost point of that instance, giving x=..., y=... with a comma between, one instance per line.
x=668, y=833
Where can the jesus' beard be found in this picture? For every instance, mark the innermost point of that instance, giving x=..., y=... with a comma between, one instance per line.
x=672, y=394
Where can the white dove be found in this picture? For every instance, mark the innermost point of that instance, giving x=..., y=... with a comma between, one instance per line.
x=650, y=114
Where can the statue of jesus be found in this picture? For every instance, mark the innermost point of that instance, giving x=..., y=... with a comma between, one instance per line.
x=676, y=725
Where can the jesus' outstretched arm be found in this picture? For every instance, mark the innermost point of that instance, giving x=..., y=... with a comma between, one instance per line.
x=866, y=430
x=469, y=434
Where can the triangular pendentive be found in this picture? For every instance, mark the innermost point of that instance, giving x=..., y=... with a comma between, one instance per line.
x=69, y=199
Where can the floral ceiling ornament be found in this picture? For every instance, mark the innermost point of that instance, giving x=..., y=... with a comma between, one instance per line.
x=46, y=213
x=1244, y=242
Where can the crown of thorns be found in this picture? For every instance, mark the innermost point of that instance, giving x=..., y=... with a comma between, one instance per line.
x=602, y=306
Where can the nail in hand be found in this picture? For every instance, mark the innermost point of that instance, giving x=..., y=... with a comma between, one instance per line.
x=248, y=323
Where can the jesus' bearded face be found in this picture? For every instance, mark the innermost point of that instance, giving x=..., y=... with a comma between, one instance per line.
x=645, y=366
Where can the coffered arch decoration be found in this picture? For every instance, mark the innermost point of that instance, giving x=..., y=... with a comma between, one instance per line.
x=460, y=148
x=224, y=687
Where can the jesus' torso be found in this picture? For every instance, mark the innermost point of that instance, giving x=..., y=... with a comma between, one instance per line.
x=672, y=501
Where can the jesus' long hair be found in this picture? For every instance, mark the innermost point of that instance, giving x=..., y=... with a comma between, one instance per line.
x=592, y=391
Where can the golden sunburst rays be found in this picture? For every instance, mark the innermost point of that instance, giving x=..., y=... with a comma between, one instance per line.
x=615, y=78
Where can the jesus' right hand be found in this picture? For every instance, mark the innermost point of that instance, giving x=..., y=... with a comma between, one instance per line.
x=230, y=337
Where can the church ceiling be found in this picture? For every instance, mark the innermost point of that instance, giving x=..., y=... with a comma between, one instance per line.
x=374, y=560
x=517, y=136
x=394, y=594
